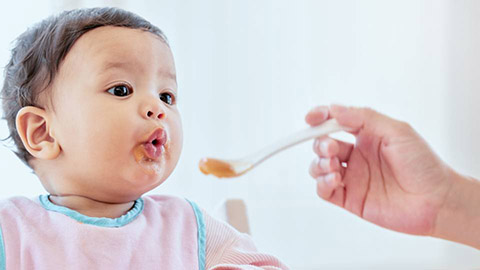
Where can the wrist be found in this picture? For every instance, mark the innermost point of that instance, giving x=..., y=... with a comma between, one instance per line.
x=459, y=218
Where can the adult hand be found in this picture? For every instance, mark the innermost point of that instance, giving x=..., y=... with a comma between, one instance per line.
x=390, y=176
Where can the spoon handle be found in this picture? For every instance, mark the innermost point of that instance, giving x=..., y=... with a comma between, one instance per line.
x=327, y=127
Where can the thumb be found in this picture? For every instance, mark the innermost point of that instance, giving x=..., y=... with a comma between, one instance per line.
x=351, y=117
x=358, y=119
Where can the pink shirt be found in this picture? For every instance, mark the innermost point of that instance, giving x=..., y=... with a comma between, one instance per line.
x=159, y=232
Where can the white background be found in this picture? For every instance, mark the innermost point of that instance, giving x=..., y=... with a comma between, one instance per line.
x=249, y=71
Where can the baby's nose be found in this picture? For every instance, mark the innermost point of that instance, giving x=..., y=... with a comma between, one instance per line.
x=158, y=114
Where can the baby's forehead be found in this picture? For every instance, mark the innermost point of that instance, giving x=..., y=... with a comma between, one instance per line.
x=109, y=48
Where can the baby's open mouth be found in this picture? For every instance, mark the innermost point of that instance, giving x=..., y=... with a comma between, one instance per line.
x=153, y=147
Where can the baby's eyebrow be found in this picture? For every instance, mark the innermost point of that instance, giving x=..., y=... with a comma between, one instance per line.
x=127, y=66
x=115, y=64
x=172, y=76
x=112, y=65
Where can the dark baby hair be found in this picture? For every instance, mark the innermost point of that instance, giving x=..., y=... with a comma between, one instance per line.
x=39, y=51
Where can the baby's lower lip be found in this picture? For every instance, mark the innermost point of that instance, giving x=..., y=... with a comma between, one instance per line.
x=152, y=151
x=147, y=151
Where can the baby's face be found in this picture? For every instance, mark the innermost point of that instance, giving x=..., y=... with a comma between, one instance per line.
x=115, y=115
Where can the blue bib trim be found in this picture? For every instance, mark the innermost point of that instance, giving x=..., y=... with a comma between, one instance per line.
x=3, y=263
x=201, y=235
x=97, y=221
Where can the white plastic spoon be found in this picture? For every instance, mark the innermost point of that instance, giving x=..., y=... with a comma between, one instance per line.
x=233, y=168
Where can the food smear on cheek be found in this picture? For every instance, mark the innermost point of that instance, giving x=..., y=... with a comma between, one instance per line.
x=216, y=167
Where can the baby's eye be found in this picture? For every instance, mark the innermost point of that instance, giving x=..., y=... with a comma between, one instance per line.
x=167, y=98
x=120, y=91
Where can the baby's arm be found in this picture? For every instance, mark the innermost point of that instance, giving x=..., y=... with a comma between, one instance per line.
x=226, y=248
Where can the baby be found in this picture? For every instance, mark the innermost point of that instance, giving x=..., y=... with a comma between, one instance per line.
x=90, y=99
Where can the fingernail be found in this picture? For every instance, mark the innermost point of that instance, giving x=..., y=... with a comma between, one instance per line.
x=330, y=179
x=322, y=163
x=326, y=164
x=324, y=147
x=319, y=161
x=320, y=109
x=320, y=178
x=323, y=110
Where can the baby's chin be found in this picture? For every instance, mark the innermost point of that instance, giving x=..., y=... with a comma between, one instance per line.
x=141, y=173
x=152, y=168
x=148, y=174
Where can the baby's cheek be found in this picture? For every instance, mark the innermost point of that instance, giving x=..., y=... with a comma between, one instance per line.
x=176, y=139
x=173, y=152
x=112, y=149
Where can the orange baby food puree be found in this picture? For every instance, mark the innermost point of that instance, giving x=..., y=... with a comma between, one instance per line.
x=216, y=167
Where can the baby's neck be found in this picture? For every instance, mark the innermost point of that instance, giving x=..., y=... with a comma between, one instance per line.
x=90, y=207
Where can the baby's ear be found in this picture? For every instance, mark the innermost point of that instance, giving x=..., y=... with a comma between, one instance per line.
x=33, y=128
